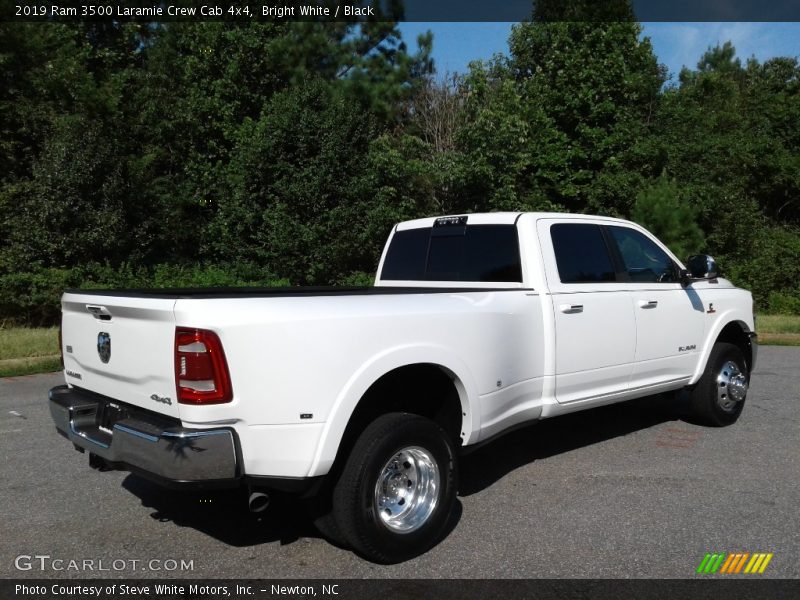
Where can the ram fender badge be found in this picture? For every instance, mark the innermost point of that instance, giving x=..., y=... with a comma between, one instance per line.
x=104, y=346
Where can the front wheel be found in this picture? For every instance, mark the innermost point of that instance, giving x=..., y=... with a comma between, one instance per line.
x=719, y=396
x=397, y=489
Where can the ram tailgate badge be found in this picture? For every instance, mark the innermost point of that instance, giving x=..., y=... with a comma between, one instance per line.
x=104, y=346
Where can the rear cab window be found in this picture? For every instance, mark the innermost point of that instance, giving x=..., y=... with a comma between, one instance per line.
x=454, y=252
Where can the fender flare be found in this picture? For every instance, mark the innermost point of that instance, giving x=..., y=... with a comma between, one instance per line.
x=375, y=368
x=729, y=316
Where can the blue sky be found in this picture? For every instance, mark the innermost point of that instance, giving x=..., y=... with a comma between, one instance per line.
x=675, y=44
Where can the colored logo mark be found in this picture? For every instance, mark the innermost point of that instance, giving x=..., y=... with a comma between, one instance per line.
x=734, y=563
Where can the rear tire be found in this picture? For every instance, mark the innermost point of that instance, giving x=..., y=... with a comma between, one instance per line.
x=718, y=398
x=397, y=489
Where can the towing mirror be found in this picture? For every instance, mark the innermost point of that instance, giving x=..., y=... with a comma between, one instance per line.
x=702, y=266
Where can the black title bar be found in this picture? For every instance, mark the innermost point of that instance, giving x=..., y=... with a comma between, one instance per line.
x=400, y=10
x=739, y=588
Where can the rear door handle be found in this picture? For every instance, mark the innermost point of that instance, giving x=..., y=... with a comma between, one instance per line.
x=571, y=308
x=648, y=303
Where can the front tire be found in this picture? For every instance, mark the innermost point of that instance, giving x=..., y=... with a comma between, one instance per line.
x=719, y=396
x=397, y=489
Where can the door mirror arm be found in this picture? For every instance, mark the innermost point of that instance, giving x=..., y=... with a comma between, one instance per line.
x=685, y=277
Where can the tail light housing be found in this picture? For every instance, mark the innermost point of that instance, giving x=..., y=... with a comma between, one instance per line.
x=201, y=371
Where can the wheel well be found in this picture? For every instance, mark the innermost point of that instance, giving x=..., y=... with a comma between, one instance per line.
x=735, y=333
x=423, y=389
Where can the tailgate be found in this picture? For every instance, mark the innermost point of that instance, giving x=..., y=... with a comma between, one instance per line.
x=121, y=347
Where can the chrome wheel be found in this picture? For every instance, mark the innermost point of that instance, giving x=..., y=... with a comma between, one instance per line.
x=731, y=386
x=407, y=490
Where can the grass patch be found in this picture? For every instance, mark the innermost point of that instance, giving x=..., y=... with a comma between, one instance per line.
x=778, y=330
x=27, y=350
x=778, y=324
x=27, y=342
x=779, y=339
x=14, y=367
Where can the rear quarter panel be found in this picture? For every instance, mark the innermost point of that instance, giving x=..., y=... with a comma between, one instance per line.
x=316, y=356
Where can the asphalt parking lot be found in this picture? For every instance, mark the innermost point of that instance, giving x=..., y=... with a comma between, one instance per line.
x=624, y=491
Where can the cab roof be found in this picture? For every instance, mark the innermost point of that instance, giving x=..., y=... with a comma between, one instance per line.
x=499, y=218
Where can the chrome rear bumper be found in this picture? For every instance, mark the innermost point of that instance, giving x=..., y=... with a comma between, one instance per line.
x=131, y=438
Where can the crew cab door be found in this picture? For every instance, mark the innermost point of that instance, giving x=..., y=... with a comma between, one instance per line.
x=595, y=326
x=669, y=317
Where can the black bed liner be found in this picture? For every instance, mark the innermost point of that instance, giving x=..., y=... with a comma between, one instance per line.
x=278, y=292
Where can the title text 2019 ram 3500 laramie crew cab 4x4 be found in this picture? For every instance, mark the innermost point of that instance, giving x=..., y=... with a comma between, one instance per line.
x=362, y=398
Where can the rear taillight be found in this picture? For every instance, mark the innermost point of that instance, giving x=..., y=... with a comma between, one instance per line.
x=201, y=371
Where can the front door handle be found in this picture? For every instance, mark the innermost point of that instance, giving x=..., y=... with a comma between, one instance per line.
x=571, y=308
x=648, y=303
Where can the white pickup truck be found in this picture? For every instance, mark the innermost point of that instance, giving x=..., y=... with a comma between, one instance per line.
x=363, y=398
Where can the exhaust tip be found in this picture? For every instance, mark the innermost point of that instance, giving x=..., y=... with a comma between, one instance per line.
x=258, y=502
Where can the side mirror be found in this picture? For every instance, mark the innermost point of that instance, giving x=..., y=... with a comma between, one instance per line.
x=702, y=266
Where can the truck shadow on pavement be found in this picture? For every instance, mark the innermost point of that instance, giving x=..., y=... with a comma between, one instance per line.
x=224, y=515
x=485, y=466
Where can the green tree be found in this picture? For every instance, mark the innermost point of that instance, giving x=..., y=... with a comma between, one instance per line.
x=217, y=153
x=201, y=83
x=294, y=188
x=599, y=83
x=71, y=210
x=661, y=210
x=728, y=134
x=513, y=149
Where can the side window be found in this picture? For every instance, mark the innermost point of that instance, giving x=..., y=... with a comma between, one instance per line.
x=644, y=261
x=581, y=253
